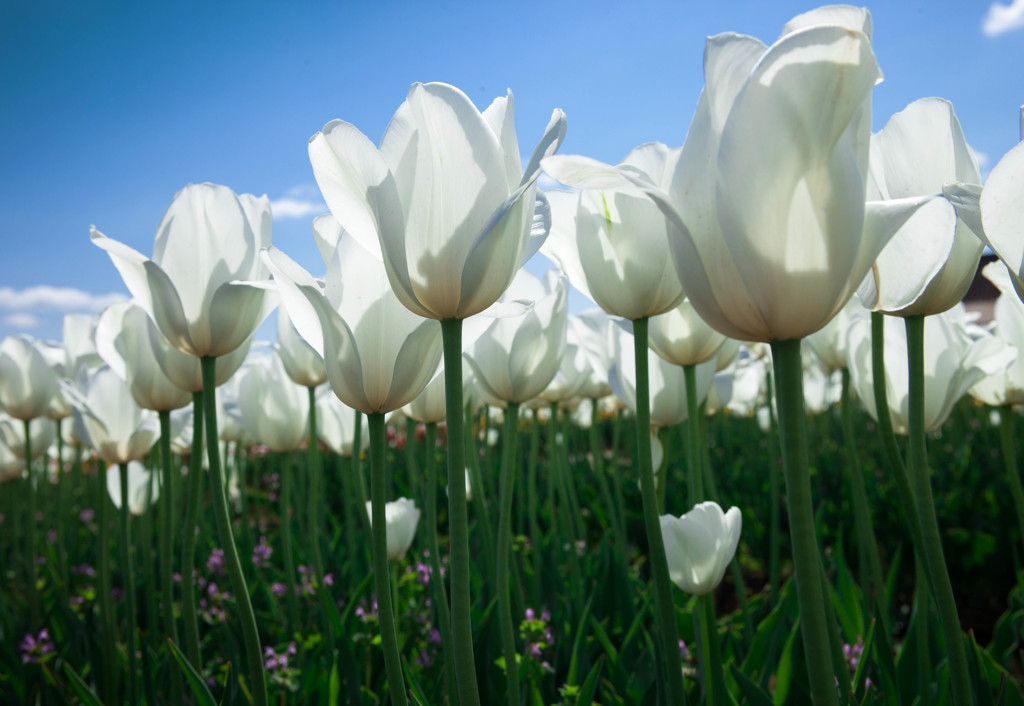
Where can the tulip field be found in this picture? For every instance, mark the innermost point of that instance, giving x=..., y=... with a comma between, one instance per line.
x=776, y=463
x=581, y=604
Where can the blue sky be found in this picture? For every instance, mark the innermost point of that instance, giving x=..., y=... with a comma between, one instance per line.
x=109, y=108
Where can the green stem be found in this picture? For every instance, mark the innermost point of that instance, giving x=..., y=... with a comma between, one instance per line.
x=806, y=561
x=63, y=504
x=33, y=551
x=129, y=585
x=536, y=557
x=694, y=487
x=166, y=554
x=664, y=601
x=892, y=450
x=385, y=608
x=292, y=601
x=734, y=565
x=935, y=562
x=479, y=499
x=357, y=471
x=710, y=651
x=508, y=464
x=411, y=471
x=1010, y=460
x=862, y=509
x=597, y=464
x=774, y=530
x=314, y=499
x=188, y=549
x=222, y=518
x=458, y=517
x=440, y=593
x=110, y=667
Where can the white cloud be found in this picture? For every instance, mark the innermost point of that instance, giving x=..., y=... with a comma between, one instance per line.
x=45, y=297
x=296, y=208
x=300, y=201
x=22, y=320
x=982, y=158
x=1003, y=18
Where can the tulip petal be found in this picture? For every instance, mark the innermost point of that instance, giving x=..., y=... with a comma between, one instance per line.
x=326, y=232
x=539, y=229
x=169, y=315
x=355, y=182
x=130, y=264
x=295, y=282
x=500, y=116
x=449, y=170
x=549, y=143
x=793, y=217
x=560, y=246
x=416, y=364
x=237, y=309
x=916, y=252
x=1002, y=212
x=495, y=256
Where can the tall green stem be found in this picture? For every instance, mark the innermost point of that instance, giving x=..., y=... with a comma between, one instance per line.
x=458, y=516
x=385, y=611
x=935, y=562
x=63, y=504
x=508, y=464
x=110, y=670
x=219, y=500
x=129, y=585
x=33, y=551
x=774, y=531
x=806, y=561
x=694, y=487
x=166, y=555
x=710, y=652
x=287, y=486
x=1010, y=463
x=440, y=593
x=664, y=601
x=861, y=508
x=188, y=549
x=314, y=499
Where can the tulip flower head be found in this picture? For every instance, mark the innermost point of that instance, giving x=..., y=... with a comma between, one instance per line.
x=379, y=355
x=106, y=417
x=27, y=382
x=931, y=260
x=517, y=356
x=143, y=489
x=1002, y=212
x=699, y=546
x=199, y=286
x=124, y=338
x=953, y=362
x=444, y=197
x=613, y=242
x=402, y=518
x=274, y=408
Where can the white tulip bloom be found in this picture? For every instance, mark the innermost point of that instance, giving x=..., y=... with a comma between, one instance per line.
x=402, y=517
x=699, y=546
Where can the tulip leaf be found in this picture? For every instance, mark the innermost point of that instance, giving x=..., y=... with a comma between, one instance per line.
x=333, y=684
x=784, y=673
x=573, y=661
x=85, y=694
x=754, y=694
x=586, y=696
x=862, y=664
x=415, y=690
x=195, y=679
